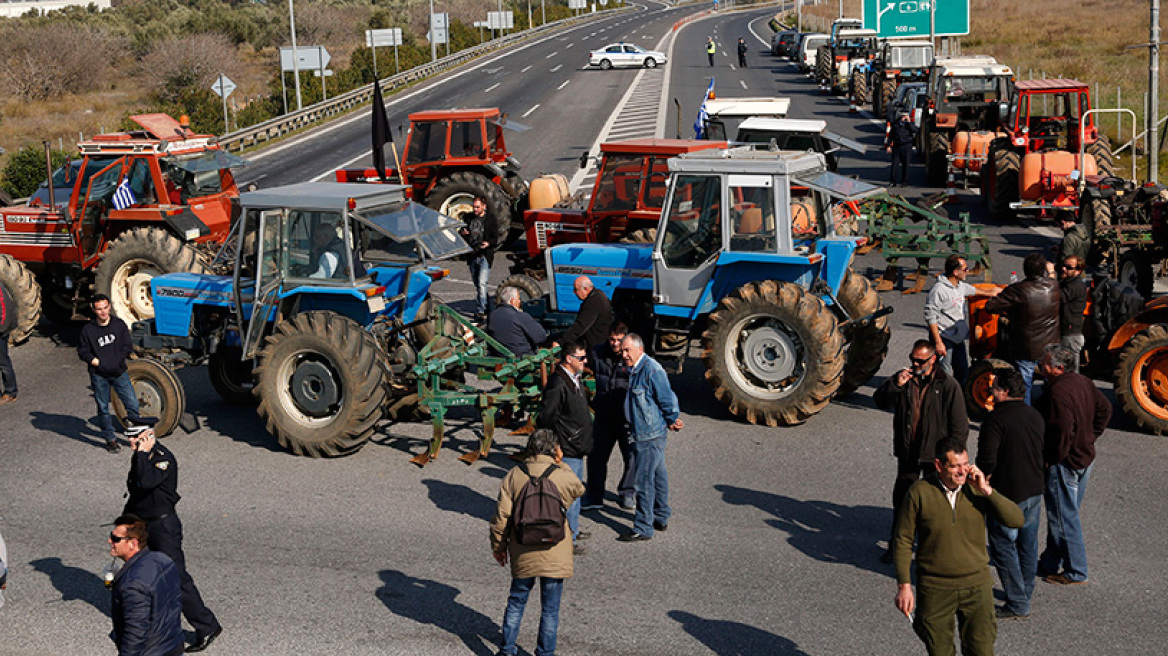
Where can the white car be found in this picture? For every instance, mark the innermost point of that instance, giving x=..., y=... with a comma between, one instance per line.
x=625, y=54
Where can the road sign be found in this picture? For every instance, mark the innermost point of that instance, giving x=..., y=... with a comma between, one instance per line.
x=904, y=18
x=223, y=86
x=386, y=37
x=577, y=4
x=308, y=57
x=438, y=24
x=500, y=20
x=328, y=72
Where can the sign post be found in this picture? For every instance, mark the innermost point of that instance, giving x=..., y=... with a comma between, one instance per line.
x=223, y=87
x=387, y=37
x=924, y=18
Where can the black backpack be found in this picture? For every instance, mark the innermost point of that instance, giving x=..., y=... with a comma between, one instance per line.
x=539, y=511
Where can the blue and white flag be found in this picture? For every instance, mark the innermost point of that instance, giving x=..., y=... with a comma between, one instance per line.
x=700, y=124
x=124, y=196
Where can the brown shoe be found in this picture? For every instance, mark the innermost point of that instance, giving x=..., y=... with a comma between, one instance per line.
x=7, y=398
x=1061, y=579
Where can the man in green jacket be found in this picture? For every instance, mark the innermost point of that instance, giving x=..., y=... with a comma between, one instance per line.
x=947, y=518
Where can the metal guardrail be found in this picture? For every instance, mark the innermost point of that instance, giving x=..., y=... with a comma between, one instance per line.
x=293, y=121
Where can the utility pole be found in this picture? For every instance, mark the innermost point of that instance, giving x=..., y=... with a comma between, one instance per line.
x=295, y=58
x=433, y=44
x=1153, y=94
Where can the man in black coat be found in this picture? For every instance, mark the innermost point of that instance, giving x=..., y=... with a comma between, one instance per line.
x=565, y=411
x=104, y=345
x=594, y=318
x=741, y=52
x=512, y=327
x=1009, y=449
x=928, y=406
x=153, y=492
x=1032, y=306
x=146, y=594
x=483, y=235
x=611, y=427
x=902, y=132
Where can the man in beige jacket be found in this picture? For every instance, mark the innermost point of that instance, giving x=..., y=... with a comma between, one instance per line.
x=550, y=563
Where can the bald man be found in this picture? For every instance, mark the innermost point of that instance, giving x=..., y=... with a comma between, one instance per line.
x=595, y=316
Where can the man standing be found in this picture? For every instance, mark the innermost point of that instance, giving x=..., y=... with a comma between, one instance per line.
x=1076, y=414
x=611, y=428
x=7, y=323
x=947, y=316
x=552, y=563
x=512, y=327
x=153, y=492
x=565, y=412
x=1009, y=451
x=652, y=411
x=1076, y=239
x=1073, y=303
x=1032, y=307
x=104, y=345
x=741, y=52
x=146, y=599
x=947, y=520
x=928, y=406
x=901, y=135
x=594, y=318
x=481, y=233
x=710, y=49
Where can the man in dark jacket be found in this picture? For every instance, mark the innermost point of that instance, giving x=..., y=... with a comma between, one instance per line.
x=611, y=428
x=902, y=132
x=1073, y=303
x=1009, y=451
x=565, y=411
x=482, y=234
x=146, y=599
x=152, y=487
x=104, y=345
x=1076, y=239
x=594, y=318
x=512, y=327
x=741, y=52
x=1032, y=308
x=1076, y=414
x=928, y=406
x=7, y=323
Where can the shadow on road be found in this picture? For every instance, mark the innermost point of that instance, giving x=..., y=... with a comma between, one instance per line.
x=825, y=531
x=431, y=602
x=460, y=499
x=726, y=638
x=74, y=428
x=75, y=583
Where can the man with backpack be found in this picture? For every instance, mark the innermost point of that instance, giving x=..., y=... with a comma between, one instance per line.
x=530, y=530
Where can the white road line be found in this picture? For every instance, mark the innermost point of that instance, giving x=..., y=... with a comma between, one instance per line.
x=558, y=67
x=552, y=55
x=492, y=87
x=569, y=46
x=743, y=83
x=732, y=67
x=529, y=111
x=525, y=69
x=561, y=86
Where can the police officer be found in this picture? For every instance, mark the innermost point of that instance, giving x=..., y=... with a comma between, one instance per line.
x=710, y=50
x=901, y=134
x=741, y=52
x=153, y=493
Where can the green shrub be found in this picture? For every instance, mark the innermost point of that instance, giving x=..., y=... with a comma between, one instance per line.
x=26, y=170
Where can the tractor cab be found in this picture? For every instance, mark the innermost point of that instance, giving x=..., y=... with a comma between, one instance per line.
x=797, y=134
x=724, y=115
x=1047, y=115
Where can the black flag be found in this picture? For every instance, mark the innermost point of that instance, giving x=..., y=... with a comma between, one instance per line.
x=381, y=132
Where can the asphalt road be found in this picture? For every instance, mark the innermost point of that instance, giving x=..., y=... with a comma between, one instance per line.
x=773, y=550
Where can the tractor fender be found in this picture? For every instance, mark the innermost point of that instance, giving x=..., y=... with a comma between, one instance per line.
x=186, y=225
x=1153, y=313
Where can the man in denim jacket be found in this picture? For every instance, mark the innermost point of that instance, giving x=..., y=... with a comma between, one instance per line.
x=651, y=408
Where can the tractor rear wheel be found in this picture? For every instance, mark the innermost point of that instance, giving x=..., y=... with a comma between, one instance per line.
x=1135, y=270
x=1094, y=213
x=822, y=65
x=1141, y=379
x=937, y=159
x=132, y=260
x=529, y=288
x=232, y=376
x=642, y=236
x=978, y=400
x=1100, y=149
x=887, y=93
x=322, y=384
x=1005, y=183
x=869, y=344
x=859, y=88
x=159, y=394
x=455, y=193
x=774, y=354
x=23, y=295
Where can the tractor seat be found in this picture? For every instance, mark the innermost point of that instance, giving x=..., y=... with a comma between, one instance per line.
x=750, y=223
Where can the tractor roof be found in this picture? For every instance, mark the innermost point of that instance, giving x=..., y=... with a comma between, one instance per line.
x=669, y=147
x=979, y=66
x=161, y=135
x=323, y=196
x=748, y=107
x=855, y=33
x=748, y=160
x=897, y=43
x=783, y=125
x=454, y=114
x=1053, y=84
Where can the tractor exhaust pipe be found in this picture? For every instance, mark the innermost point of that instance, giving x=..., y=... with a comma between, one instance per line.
x=49, y=169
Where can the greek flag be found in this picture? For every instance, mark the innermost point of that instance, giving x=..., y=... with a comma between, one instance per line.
x=124, y=196
x=700, y=124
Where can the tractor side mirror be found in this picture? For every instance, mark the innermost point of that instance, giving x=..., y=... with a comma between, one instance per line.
x=1003, y=112
x=584, y=160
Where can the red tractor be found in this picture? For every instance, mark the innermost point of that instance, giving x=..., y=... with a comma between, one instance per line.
x=453, y=155
x=135, y=205
x=1036, y=166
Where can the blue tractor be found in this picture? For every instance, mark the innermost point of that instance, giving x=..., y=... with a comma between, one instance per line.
x=748, y=260
x=320, y=320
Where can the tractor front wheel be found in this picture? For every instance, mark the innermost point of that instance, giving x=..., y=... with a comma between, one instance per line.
x=232, y=376
x=529, y=288
x=23, y=295
x=1141, y=379
x=159, y=393
x=859, y=88
x=978, y=400
x=868, y=344
x=1100, y=149
x=642, y=236
x=454, y=194
x=1005, y=183
x=773, y=353
x=1135, y=270
x=129, y=264
x=322, y=384
x=937, y=159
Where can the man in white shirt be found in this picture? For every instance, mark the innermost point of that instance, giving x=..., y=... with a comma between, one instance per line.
x=947, y=317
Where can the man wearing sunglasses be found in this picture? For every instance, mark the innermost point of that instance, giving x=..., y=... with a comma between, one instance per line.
x=565, y=411
x=147, y=594
x=928, y=406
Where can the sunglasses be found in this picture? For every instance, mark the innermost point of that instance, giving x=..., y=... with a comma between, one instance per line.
x=117, y=538
x=581, y=358
x=920, y=361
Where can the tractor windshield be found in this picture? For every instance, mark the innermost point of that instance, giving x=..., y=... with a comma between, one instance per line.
x=916, y=57
x=400, y=225
x=618, y=185
x=973, y=89
x=203, y=174
x=693, y=226
x=427, y=142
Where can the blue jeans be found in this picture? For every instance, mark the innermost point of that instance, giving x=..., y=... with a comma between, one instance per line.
x=479, y=270
x=1065, y=550
x=577, y=467
x=550, y=591
x=652, y=485
x=956, y=362
x=1014, y=553
x=101, y=395
x=1026, y=368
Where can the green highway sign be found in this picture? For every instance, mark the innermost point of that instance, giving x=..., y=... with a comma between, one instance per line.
x=904, y=18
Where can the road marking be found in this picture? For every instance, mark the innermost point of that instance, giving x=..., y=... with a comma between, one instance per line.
x=491, y=88
x=561, y=86
x=525, y=68
x=569, y=46
x=552, y=55
x=529, y=111
x=743, y=83
x=558, y=67
x=732, y=67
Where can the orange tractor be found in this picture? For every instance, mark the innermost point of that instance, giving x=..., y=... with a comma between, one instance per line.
x=135, y=205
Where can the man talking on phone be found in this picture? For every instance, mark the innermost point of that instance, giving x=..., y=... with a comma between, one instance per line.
x=153, y=492
x=928, y=406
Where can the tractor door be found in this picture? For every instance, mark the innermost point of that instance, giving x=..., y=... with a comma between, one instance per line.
x=98, y=199
x=689, y=240
x=265, y=291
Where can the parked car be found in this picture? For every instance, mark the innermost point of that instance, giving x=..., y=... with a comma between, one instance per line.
x=904, y=100
x=808, y=46
x=783, y=42
x=625, y=54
